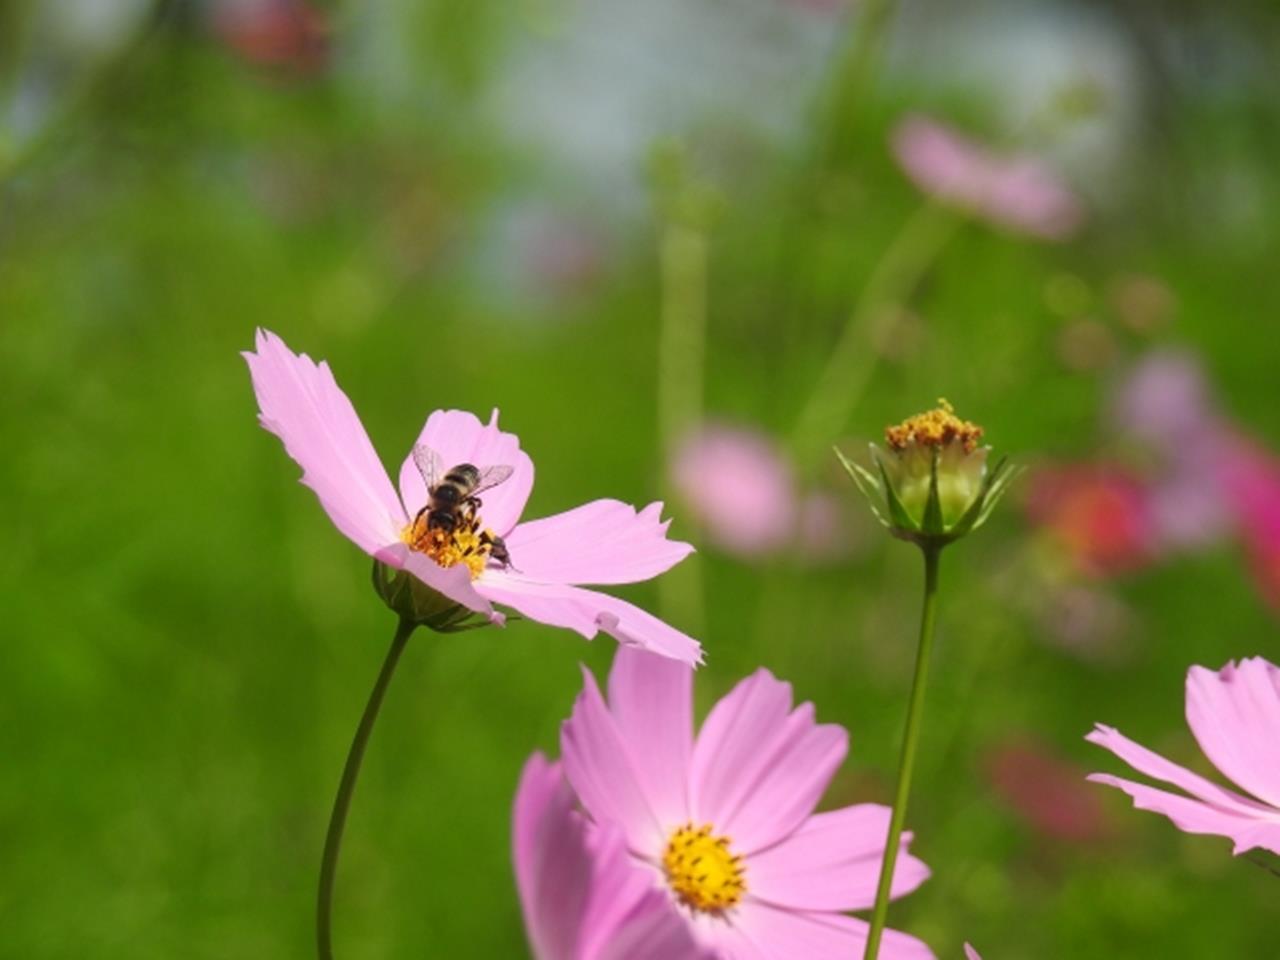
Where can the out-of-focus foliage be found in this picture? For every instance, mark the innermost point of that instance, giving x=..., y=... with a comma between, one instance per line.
x=450, y=202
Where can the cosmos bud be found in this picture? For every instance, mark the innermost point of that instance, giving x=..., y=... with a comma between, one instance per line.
x=415, y=602
x=933, y=485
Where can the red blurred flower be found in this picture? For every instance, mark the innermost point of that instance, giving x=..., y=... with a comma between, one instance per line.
x=1049, y=793
x=1099, y=513
x=288, y=34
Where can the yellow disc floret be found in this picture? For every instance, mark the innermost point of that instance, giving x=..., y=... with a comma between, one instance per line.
x=934, y=428
x=467, y=543
x=702, y=871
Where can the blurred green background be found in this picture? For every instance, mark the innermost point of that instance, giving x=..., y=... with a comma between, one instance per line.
x=458, y=205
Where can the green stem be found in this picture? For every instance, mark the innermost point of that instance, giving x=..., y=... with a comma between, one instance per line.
x=853, y=361
x=910, y=739
x=347, y=786
x=854, y=75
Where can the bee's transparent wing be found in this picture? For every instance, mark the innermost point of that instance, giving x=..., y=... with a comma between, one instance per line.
x=490, y=477
x=429, y=465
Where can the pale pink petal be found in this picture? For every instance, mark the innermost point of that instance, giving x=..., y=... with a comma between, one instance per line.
x=552, y=864
x=460, y=437
x=759, y=930
x=630, y=917
x=454, y=582
x=582, y=894
x=1017, y=192
x=1154, y=765
x=605, y=541
x=759, y=772
x=651, y=698
x=588, y=612
x=833, y=862
x=1235, y=716
x=970, y=953
x=300, y=403
x=603, y=772
x=1194, y=816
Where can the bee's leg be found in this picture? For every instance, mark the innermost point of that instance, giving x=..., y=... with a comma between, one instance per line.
x=497, y=548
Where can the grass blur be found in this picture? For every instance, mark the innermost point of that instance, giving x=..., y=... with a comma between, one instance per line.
x=187, y=642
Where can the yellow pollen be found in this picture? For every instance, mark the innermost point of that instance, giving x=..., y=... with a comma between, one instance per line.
x=934, y=428
x=467, y=544
x=702, y=872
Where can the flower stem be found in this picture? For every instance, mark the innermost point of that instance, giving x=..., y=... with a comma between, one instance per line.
x=347, y=786
x=910, y=739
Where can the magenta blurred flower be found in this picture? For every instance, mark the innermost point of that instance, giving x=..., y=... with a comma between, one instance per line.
x=582, y=895
x=1251, y=478
x=1047, y=792
x=724, y=823
x=1098, y=514
x=1235, y=717
x=602, y=542
x=740, y=487
x=288, y=34
x=1016, y=192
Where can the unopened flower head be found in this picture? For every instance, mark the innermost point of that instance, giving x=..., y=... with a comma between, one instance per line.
x=931, y=485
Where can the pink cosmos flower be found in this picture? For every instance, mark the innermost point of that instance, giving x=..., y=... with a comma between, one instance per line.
x=740, y=486
x=1016, y=192
x=1251, y=478
x=1235, y=717
x=602, y=542
x=582, y=896
x=724, y=823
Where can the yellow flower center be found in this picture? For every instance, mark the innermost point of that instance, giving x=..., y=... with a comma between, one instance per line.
x=701, y=870
x=934, y=428
x=468, y=543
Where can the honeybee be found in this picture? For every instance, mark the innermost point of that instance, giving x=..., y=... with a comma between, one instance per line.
x=453, y=496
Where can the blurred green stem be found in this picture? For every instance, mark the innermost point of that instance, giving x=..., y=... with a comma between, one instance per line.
x=347, y=786
x=853, y=76
x=683, y=253
x=853, y=361
x=910, y=739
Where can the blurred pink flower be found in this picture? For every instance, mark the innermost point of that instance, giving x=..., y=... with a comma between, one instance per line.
x=1048, y=792
x=740, y=487
x=1016, y=192
x=724, y=823
x=582, y=895
x=970, y=953
x=1235, y=717
x=601, y=542
x=274, y=33
x=1099, y=514
x=1165, y=403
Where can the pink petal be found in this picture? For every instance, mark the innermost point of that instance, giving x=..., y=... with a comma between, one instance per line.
x=970, y=953
x=1193, y=816
x=1235, y=716
x=651, y=698
x=460, y=437
x=600, y=766
x=300, y=402
x=833, y=862
x=587, y=612
x=1154, y=765
x=582, y=894
x=552, y=864
x=454, y=582
x=605, y=541
x=758, y=768
x=759, y=930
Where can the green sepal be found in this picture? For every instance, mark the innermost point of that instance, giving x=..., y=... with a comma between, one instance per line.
x=900, y=519
x=933, y=525
x=415, y=602
x=867, y=485
x=970, y=519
